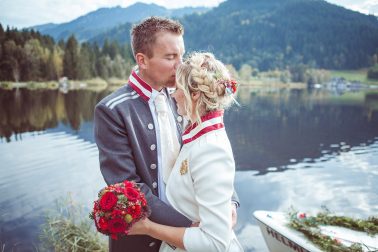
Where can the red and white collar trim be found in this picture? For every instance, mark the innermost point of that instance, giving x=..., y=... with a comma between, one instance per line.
x=210, y=122
x=140, y=86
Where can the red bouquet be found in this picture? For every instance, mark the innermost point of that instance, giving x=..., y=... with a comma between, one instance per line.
x=118, y=207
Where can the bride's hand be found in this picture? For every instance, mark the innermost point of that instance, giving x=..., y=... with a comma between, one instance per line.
x=140, y=227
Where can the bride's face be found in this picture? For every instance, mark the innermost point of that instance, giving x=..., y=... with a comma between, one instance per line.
x=179, y=96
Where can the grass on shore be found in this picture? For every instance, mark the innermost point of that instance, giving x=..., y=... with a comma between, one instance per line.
x=95, y=84
x=354, y=75
x=67, y=229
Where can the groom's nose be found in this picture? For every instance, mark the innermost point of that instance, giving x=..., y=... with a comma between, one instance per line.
x=178, y=61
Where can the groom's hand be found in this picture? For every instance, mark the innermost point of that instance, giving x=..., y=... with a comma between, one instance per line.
x=234, y=215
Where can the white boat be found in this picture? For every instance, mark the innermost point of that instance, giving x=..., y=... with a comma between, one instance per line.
x=281, y=238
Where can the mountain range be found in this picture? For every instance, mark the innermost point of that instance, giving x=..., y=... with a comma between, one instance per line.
x=270, y=34
x=103, y=19
x=266, y=34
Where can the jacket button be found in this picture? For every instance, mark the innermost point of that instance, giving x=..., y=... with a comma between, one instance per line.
x=179, y=118
x=150, y=126
x=154, y=185
x=153, y=166
x=151, y=244
x=153, y=147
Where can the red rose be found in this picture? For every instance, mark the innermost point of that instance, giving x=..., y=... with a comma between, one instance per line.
x=131, y=194
x=128, y=183
x=108, y=201
x=103, y=224
x=117, y=225
x=116, y=212
x=134, y=211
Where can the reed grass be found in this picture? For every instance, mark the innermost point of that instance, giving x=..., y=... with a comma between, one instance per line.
x=68, y=229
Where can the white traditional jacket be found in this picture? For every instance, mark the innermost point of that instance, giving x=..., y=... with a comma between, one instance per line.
x=200, y=187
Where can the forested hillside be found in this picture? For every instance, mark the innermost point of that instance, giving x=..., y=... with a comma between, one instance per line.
x=274, y=34
x=287, y=35
x=29, y=56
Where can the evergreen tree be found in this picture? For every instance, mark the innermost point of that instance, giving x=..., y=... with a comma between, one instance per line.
x=2, y=34
x=71, y=59
x=50, y=72
x=84, y=66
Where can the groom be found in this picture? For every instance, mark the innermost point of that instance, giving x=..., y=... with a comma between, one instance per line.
x=127, y=130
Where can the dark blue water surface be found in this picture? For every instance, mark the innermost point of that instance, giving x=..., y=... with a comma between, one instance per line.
x=293, y=147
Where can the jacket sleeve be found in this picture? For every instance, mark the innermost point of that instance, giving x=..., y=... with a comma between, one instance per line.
x=117, y=163
x=213, y=169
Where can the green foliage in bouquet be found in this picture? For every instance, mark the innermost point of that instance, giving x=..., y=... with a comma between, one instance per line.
x=309, y=226
x=68, y=229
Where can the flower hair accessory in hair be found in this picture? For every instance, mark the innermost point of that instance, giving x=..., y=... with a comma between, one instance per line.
x=231, y=87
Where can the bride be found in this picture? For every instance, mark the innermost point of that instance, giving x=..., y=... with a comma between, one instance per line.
x=200, y=184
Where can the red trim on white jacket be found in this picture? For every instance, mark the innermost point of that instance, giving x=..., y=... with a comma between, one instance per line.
x=210, y=122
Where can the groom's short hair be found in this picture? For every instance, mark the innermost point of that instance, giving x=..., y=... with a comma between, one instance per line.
x=143, y=35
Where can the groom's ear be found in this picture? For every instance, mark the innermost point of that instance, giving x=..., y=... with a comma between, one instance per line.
x=141, y=60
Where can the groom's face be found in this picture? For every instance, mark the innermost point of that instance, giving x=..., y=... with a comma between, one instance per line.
x=167, y=53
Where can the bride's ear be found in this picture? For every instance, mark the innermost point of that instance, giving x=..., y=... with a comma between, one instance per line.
x=195, y=96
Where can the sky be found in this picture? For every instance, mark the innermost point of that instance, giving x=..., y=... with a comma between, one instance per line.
x=26, y=13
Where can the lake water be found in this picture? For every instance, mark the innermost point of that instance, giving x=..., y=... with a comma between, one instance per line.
x=301, y=148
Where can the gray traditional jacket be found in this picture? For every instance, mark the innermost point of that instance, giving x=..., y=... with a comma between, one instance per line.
x=126, y=138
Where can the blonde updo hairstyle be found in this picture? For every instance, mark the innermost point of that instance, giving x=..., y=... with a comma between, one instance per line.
x=203, y=73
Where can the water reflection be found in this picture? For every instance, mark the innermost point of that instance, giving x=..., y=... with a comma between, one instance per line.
x=44, y=168
x=275, y=129
x=345, y=183
x=299, y=147
x=23, y=110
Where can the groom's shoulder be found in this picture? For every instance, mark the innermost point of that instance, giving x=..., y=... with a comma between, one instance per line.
x=119, y=96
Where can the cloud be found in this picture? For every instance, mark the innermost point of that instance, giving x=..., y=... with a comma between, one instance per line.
x=24, y=13
x=363, y=6
x=367, y=7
